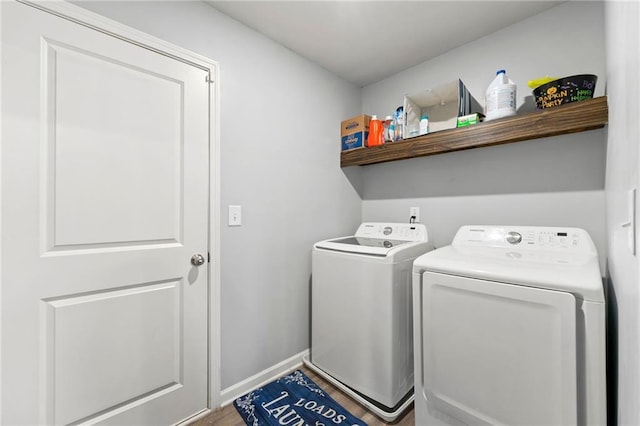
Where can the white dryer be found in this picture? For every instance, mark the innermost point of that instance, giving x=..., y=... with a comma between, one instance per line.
x=509, y=329
x=361, y=313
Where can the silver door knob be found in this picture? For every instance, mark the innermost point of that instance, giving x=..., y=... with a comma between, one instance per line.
x=197, y=259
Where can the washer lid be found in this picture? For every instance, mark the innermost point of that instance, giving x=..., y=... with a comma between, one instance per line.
x=380, y=239
x=374, y=246
x=537, y=259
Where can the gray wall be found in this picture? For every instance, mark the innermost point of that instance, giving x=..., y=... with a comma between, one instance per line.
x=279, y=150
x=553, y=181
x=623, y=69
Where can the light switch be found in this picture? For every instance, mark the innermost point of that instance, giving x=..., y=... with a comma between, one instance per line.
x=631, y=232
x=235, y=215
x=630, y=224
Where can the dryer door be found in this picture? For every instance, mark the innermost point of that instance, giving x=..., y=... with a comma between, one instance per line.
x=498, y=353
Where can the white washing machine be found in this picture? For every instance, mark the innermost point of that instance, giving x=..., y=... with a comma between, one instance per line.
x=361, y=313
x=509, y=329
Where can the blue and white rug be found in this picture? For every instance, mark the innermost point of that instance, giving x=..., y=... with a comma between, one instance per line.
x=293, y=400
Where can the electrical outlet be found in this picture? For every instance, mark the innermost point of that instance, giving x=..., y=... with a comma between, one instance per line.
x=235, y=215
x=414, y=213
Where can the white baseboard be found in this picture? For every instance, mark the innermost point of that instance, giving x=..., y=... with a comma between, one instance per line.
x=228, y=395
x=194, y=418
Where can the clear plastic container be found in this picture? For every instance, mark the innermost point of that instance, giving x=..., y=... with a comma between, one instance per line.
x=424, y=125
x=399, y=123
x=388, y=129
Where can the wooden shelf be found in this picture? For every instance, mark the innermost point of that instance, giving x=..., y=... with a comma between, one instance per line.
x=569, y=118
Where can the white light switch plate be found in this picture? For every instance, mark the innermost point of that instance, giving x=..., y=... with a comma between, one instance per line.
x=235, y=215
x=631, y=217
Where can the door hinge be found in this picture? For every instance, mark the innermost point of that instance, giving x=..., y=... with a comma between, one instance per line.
x=208, y=78
x=208, y=257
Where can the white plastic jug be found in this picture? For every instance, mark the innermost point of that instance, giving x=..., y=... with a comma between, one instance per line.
x=501, y=97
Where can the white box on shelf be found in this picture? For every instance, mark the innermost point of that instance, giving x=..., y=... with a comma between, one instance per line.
x=443, y=104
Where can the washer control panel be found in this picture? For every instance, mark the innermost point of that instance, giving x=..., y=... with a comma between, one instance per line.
x=393, y=231
x=525, y=237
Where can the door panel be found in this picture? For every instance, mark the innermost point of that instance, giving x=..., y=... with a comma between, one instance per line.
x=93, y=130
x=97, y=374
x=104, y=180
x=499, y=354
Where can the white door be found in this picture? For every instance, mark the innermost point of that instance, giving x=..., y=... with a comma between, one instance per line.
x=498, y=354
x=105, y=171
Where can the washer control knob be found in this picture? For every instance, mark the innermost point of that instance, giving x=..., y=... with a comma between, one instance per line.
x=387, y=230
x=514, y=237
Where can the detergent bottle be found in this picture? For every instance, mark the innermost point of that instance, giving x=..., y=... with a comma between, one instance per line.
x=376, y=132
x=501, y=97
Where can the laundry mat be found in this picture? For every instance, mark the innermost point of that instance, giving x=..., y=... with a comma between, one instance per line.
x=293, y=400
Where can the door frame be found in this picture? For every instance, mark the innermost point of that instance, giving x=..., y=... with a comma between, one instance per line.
x=115, y=29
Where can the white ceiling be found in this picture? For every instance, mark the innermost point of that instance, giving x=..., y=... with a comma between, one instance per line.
x=366, y=41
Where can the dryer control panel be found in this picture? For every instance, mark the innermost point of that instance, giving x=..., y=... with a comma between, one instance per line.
x=575, y=240
x=393, y=231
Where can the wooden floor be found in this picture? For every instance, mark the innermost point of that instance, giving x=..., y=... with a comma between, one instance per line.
x=228, y=416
